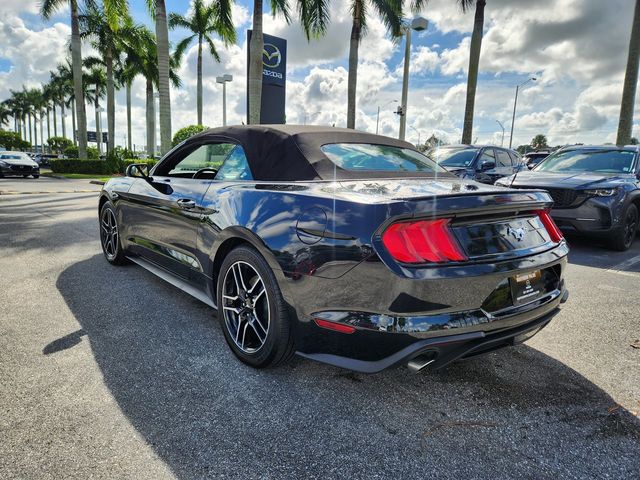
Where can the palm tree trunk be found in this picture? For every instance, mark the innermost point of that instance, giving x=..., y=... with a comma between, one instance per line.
x=472, y=77
x=74, y=135
x=30, y=132
x=76, y=60
x=199, y=81
x=48, y=123
x=41, y=134
x=352, y=79
x=35, y=131
x=255, y=66
x=162, y=35
x=150, y=115
x=625, y=124
x=64, y=122
x=128, y=115
x=96, y=105
x=55, y=121
x=111, y=101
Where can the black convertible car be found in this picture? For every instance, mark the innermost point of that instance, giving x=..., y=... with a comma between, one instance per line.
x=344, y=247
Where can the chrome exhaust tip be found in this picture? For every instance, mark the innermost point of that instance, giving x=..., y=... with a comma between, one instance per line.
x=418, y=363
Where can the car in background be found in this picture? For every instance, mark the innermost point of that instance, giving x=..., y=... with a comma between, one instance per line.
x=18, y=164
x=595, y=189
x=43, y=159
x=484, y=164
x=531, y=159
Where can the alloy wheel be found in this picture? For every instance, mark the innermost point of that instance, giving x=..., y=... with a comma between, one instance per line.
x=245, y=305
x=109, y=233
x=630, y=227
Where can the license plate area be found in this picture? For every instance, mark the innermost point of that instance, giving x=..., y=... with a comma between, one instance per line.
x=527, y=287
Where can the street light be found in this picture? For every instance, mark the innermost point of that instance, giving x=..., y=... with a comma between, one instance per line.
x=223, y=80
x=99, y=111
x=418, y=24
x=515, y=103
x=378, y=117
x=502, y=127
x=418, y=132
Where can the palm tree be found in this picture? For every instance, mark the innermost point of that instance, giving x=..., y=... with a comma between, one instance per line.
x=113, y=10
x=204, y=21
x=142, y=59
x=474, y=62
x=106, y=36
x=390, y=12
x=625, y=124
x=5, y=113
x=96, y=79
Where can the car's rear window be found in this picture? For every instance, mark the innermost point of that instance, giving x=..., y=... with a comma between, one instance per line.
x=461, y=157
x=384, y=158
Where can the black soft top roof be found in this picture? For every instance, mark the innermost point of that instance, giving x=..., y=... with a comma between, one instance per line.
x=292, y=152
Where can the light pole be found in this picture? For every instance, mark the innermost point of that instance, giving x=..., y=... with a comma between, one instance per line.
x=502, y=127
x=418, y=132
x=515, y=103
x=418, y=24
x=99, y=111
x=378, y=117
x=223, y=80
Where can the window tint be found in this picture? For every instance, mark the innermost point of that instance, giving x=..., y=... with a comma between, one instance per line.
x=365, y=156
x=515, y=158
x=503, y=159
x=455, y=157
x=589, y=160
x=235, y=167
x=487, y=156
x=205, y=156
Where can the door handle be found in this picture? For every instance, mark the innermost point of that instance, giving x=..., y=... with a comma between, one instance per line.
x=186, y=203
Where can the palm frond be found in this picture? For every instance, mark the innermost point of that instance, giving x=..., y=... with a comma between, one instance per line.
x=390, y=12
x=314, y=15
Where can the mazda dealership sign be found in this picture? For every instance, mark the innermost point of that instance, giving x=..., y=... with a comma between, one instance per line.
x=274, y=77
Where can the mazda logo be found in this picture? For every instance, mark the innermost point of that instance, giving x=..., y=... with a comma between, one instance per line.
x=271, y=56
x=517, y=233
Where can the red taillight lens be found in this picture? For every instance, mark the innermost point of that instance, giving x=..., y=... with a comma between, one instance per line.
x=422, y=241
x=338, y=327
x=550, y=225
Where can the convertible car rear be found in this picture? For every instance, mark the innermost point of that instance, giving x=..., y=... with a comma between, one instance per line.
x=344, y=247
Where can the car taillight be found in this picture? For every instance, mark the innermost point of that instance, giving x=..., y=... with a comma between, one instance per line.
x=338, y=327
x=550, y=225
x=422, y=241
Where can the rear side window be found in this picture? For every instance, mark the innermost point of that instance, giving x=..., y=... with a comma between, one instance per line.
x=515, y=158
x=503, y=159
x=488, y=156
x=365, y=156
x=235, y=166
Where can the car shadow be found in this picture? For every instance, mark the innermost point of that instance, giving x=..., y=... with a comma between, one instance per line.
x=594, y=252
x=164, y=359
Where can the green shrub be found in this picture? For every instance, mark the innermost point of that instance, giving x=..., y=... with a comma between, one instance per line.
x=74, y=165
x=71, y=152
x=92, y=153
x=60, y=144
x=186, y=132
x=13, y=141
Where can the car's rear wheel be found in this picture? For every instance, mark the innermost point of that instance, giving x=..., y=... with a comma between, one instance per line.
x=36, y=176
x=251, y=310
x=110, y=236
x=626, y=234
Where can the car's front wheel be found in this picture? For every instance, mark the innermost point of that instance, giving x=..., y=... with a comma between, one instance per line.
x=110, y=236
x=626, y=234
x=251, y=310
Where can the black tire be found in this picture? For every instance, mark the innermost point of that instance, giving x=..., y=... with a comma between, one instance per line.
x=111, y=244
x=36, y=176
x=626, y=234
x=276, y=346
x=25, y=176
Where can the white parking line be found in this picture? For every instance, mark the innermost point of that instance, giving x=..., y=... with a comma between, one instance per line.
x=622, y=266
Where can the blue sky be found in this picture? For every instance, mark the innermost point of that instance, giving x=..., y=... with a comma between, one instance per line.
x=576, y=49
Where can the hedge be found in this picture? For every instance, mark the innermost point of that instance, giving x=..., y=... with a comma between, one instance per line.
x=98, y=167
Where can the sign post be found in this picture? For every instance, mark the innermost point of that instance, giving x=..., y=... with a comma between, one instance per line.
x=274, y=78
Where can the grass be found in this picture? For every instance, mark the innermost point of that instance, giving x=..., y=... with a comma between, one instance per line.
x=78, y=176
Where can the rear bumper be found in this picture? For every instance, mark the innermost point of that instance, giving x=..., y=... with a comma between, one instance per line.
x=440, y=351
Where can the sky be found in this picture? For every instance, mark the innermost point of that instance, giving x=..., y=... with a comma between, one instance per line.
x=576, y=49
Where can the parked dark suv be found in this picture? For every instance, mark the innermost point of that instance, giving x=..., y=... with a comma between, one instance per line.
x=532, y=159
x=596, y=190
x=484, y=164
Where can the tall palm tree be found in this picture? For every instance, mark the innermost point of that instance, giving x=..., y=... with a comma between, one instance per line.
x=158, y=11
x=141, y=52
x=96, y=79
x=113, y=9
x=105, y=39
x=5, y=113
x=390, y=12
x=474, y=62
x=625, y=124
x=205, y=21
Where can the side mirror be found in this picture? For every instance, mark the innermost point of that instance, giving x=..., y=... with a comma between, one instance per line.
x=487, y=165
x=138, y=170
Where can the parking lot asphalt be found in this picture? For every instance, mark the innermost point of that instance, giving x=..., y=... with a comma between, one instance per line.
x=109, y=372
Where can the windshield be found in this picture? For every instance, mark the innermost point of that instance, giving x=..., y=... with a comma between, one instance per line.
x=365, y=156
x=455, y=157
x=13, y=156
x=601, y=161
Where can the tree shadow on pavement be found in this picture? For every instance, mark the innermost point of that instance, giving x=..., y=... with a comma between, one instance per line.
x=516, y=412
